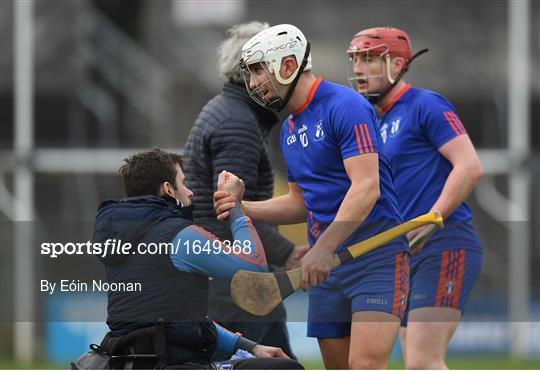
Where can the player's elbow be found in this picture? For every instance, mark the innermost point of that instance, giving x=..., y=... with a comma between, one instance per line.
x=371, y=191
x=375, y=195
x=470, y=172
x=298, y=206
x=475, y=172
x=479, y=172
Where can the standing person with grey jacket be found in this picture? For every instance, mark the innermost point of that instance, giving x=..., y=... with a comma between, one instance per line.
x=231, y=134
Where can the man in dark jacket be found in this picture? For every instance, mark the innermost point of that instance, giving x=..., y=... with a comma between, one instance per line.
x=173, y=280
x=231, y=134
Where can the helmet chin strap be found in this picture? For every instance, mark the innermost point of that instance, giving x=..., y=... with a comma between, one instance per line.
x=278, y=104
x=376, y=99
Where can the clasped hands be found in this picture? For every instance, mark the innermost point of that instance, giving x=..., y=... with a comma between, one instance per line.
x=315, y=263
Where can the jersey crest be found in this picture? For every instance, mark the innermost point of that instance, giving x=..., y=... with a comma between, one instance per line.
x=395, y=126
x=319, y=132
x=384, y=132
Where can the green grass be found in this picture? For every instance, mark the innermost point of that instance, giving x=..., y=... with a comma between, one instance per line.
x=35, y=365
x=483, y=363
x=468, y=363
x=471, y=363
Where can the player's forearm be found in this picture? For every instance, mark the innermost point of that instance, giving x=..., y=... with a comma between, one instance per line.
x=243, y=230
x=459, y=184
x=286, y=209
x=228, y=342
x=354, y=209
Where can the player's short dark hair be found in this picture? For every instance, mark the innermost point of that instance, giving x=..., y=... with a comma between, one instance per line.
x=145, y=172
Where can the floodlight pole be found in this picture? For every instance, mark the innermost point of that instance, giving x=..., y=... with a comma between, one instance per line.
x=23, y=290
x=519, y=243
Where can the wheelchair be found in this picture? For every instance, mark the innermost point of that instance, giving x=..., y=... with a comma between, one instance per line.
x=146, y=348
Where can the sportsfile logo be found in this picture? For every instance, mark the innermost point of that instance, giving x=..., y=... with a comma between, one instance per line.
x=119, y=247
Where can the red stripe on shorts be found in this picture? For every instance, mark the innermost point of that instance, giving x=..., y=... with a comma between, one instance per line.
x=441, y=287
x=459, y=279
x=401, y=285
x=450, y=278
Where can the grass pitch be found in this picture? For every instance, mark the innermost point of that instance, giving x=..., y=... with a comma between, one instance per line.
x=487, y=362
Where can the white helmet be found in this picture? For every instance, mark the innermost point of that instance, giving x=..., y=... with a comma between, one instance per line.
x=272, y=45
x=268, y=48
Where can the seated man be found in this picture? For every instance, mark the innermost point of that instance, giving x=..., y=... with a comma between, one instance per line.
x=173, y=278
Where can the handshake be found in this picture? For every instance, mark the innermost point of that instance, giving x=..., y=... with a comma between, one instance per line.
x=230, y=191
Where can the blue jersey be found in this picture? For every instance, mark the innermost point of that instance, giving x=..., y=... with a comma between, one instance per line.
x=334, y=124
x=413, y=128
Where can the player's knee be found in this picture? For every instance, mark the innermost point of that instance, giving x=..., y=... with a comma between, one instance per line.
x=334, y=364
x=367, y=363
x=425, y=363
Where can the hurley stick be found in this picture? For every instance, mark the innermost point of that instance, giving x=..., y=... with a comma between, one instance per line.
x=259, y=293
x=415, y=245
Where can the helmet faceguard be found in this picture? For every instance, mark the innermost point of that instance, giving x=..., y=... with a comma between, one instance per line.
x=265, y=93
x=262, y=56
x=383, y=42
x=381, y=53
